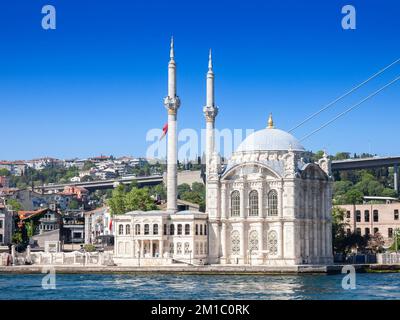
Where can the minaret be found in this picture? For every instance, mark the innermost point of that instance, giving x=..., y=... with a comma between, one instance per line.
x=210, y=112
x=215, y=236
x=172, y=104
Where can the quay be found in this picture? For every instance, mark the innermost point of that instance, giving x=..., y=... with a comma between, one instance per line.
x=199, y=270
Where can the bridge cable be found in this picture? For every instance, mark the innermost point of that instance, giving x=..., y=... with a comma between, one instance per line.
x=344, y=95
x=351, y=108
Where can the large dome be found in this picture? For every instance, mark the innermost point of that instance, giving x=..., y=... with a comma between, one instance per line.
x=270, y=139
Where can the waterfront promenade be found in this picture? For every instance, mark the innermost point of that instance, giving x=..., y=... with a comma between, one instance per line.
x=208, y=269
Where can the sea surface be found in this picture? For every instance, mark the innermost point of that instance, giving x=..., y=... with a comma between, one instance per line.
x=167, y=286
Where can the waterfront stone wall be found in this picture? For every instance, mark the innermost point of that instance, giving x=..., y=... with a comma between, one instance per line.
x=388, y=258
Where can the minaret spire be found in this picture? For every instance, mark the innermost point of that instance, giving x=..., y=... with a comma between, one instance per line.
x=210, y=112
x=210, y=62
x=171, y=51
x=172, y=103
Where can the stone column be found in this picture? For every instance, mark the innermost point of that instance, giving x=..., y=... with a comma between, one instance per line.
x=315, y=219
x=396, y=178
x=281, y=233
x=329, y=223
x=243, y=250
x=151, y=248
x=260, y=240
x=323, y=220
x=307, y=222
x=223, y=241
x=141, y=249
x=13, y=255
x=242, y=202
x=223, y=201
x=260, y=201
x=28, y=253
x=161, y=248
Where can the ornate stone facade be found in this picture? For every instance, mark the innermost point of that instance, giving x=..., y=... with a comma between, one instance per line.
x=273, y=205
x=268, y=206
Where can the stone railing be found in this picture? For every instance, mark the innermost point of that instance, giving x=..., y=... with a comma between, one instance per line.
x=5, y=259
x=388, y=258
x=72, y=258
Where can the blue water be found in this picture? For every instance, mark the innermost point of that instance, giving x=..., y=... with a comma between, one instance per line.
x=164, y=286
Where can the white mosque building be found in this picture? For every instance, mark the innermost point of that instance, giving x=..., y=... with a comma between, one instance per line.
x=269, y=205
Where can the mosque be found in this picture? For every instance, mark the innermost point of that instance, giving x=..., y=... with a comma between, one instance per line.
x=268, y=206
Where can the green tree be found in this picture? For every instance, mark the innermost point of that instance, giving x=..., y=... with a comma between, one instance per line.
x=139, y=199
x=4, y=172
x=117, y=200
x=342, y=156
x=338, y=229
x=182, y=188
x=354, y=196
x=387, y=192
x=30, y=228
x=73, y=204
x=318, y=155
x=199, y=188
x=340, y=188
x=159, y=191
x=86, y=178
x=17, y=238
x=193, y=197
x=14, y=204
x=88, y=165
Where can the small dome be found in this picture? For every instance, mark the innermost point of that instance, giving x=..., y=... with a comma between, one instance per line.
x=270, y=139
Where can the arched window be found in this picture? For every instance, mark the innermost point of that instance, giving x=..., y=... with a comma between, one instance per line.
x=165, y=229
x=155, y=228
x=121, y=229
x=272, y=243
x=253, y=242
x=358, y=215
x=171, y=229
x=366, y=215
x=201, y=229
x=253, y=203
x=273, y=203
x=179, y=229
x=197, y=229
x=205, y=229
x=128, y=229
x=235, y=204
x=187, y=229
x=235, y=242
x=376, y=215
x=137, y=229
x=146, y=229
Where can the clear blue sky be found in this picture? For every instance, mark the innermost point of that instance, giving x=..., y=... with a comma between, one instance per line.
x=95, y=84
